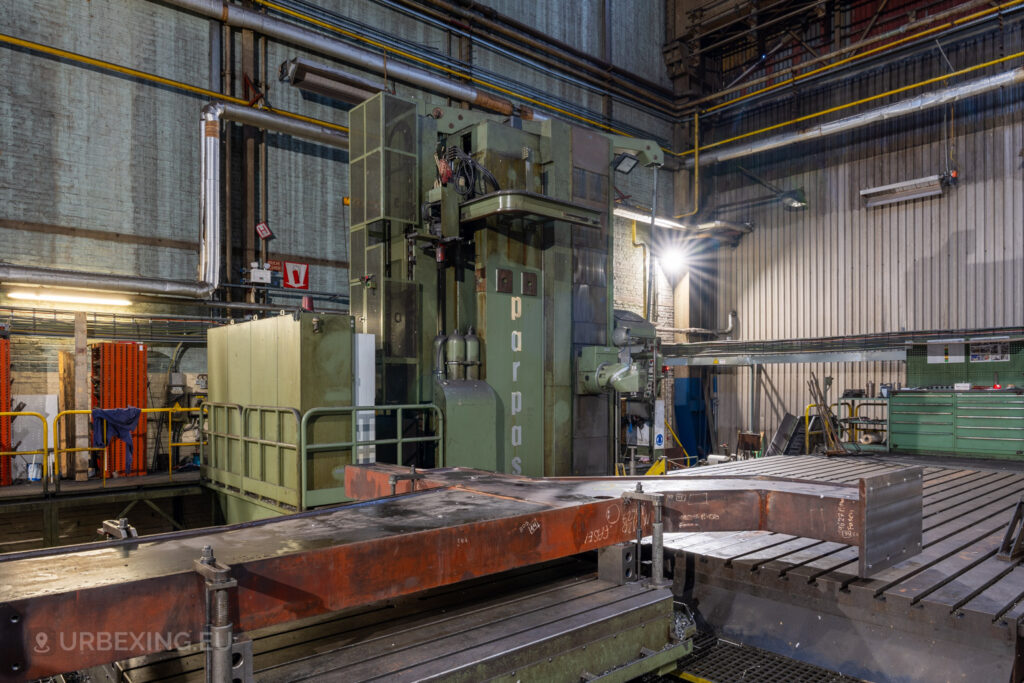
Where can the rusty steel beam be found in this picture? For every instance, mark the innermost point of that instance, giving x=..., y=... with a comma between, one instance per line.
x=881, y=514
x=142, y=596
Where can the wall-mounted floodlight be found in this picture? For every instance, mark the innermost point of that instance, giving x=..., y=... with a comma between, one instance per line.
x=791, y=200
x=624, y=162
x=794, y=200
x=328, y=81
x=929, y=186
x=673, y=260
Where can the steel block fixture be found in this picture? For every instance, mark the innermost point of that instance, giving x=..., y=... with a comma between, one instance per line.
x=120, y=380
x=5, y=405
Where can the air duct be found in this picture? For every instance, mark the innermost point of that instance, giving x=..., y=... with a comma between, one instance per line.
x=239, y=17
x=912, y=106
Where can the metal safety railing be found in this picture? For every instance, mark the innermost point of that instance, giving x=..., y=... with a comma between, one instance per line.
x=44, y=451
x=355, y=415
x=238, y=456
x=268, y=455
x=58, y=451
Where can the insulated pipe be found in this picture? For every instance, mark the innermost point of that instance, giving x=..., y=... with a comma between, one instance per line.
x=643, y=246
x=242, y=18
x=51, y=277
x=649, y=296
x=916, y=104
x=212, y=115
x=728, y=329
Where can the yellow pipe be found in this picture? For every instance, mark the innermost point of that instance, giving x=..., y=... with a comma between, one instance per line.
x=643, y=246
x=864, y=100
x=875, y=50
x=696, y=169
x=152, y=78
x=680, y=443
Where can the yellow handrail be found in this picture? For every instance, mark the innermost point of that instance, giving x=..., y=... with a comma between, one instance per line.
x=45, y=450
x=807, y=424
x=171, y=411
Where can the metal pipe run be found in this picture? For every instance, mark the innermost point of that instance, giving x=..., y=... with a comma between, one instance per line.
x=728, y=329
x=210, y=189
x=52, y=277
x=242, y=18
x=916, y=104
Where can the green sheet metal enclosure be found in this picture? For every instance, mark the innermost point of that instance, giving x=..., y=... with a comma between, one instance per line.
x=263, y=376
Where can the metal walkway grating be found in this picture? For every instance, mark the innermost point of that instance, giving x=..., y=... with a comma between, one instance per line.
x=719, y=661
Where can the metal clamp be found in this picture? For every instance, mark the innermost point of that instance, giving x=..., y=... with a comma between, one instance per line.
x=412, y=475
x=657, y=501
x=117, y=529
x=218, y=634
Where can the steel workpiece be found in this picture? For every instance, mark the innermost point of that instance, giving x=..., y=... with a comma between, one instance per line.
x=445, y=532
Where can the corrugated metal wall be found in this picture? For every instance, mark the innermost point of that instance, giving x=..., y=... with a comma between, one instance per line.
x=838, y=268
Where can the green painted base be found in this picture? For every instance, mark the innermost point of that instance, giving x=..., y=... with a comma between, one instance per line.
x=238, y=510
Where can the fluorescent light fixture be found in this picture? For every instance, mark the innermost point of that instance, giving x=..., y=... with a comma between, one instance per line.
x=624, y=162
x=905, y=191
x=50, y=297
x=629, y=214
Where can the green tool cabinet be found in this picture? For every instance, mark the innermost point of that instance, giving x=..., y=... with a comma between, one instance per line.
x=987, y=424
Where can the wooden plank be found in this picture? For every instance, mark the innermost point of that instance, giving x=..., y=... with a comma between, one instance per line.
x=66, y=401
x=82, y=397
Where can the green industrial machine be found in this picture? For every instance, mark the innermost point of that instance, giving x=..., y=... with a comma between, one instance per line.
x=481, y=261
x=481, y=278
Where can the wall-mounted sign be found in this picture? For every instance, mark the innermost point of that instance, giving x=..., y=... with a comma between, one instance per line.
x=263, y=230
x=296, y=275
x=946, y=351
x=990, y=352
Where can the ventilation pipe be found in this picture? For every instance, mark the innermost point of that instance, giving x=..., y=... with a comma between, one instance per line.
x=728, y=329
x=51, y=277
x=912, y=106
x=239, y=17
